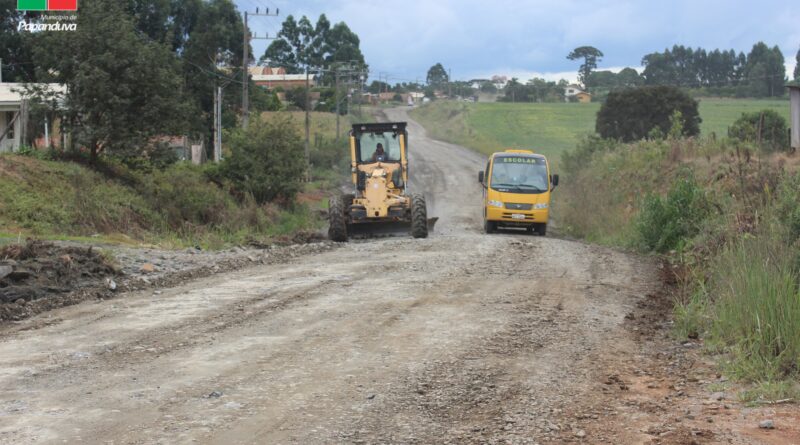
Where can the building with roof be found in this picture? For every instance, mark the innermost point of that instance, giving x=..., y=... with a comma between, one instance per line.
x=575, y=93
x=14, y=112
x=271, y=78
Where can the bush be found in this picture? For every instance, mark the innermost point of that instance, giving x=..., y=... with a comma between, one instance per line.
x=266, y=161
x=328, y=153
x=632, y=114
x=765, y=127
x=574, y=160
x=297, y=97
x=184, y=196
x=665, y=224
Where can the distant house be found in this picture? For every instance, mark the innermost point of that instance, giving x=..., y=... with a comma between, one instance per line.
x=416, y=96
x=583, y=97
x=576, y=92
x=499, y=82
x=272, y=78
x=476, y=84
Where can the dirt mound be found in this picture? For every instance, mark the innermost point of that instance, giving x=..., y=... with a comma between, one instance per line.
x=39, y=269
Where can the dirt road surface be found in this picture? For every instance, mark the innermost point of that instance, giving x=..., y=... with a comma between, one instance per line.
x=458, y=338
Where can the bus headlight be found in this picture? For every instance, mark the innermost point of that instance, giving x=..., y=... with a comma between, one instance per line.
x=496, y=203
x=540, y=206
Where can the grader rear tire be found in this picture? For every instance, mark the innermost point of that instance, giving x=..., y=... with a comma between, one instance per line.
x=337, y=229
x=419, y=217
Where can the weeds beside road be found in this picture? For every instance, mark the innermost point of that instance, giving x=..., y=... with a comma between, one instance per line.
x=726, y=217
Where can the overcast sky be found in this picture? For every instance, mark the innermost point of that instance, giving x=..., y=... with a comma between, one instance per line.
x=525, y=38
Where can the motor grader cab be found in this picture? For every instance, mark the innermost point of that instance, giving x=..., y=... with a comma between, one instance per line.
x=380, y=199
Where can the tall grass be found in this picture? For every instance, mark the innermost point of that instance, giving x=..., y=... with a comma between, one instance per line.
x=756, y=311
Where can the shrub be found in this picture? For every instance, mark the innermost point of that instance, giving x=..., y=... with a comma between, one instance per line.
x=266, y=161
x=184, y=196
x=665, y=224
x=574, y=160
x=765, y=127
x=631, y=114
x=329, y=153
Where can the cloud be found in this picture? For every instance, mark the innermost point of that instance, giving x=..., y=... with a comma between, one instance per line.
x=528, y=37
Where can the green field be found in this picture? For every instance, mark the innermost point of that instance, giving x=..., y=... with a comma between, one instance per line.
x=719, y=114
x=551, y=128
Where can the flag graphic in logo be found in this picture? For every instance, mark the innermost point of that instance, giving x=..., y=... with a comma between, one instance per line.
x=47, y=5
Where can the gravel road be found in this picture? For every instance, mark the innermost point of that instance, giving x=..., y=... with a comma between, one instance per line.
x=458, y=338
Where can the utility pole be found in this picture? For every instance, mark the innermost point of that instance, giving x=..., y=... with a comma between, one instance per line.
x=217, y=123
x=46, y=132
x=308, y=127
x=450, y=83
x=338, y=100
x=246, y=62
x=216, y=117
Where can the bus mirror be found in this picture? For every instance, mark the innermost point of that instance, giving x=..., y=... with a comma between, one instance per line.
x=554, y=180
x=480, y=177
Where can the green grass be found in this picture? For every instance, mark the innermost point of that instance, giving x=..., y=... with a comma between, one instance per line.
x=174, y=208
x=552, y=128
x=719, y=114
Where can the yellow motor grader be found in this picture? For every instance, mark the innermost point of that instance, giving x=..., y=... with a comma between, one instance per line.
x=380, y=200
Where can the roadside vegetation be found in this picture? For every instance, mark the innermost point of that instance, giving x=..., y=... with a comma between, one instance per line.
x=49, y=195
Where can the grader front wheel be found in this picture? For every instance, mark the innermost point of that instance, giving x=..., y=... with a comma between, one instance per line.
x=419, y=217
x=337, y=230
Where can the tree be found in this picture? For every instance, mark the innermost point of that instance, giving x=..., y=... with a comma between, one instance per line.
x=378, y=86
x=437, y=76
x=797, y=66
x=264, y=161
x=630, y=115
x=122, y=87
x=590, y=56
x=659, y=69
x=301, y=45
x=15, y=46
x=765, y=71
x=214, y=41
x=629, y=78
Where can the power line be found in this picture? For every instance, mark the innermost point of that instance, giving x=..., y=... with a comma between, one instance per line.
x=246, y=60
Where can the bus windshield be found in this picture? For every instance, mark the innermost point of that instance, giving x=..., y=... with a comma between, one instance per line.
x=519, y=174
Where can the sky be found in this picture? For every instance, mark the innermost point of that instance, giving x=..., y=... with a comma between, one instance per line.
x=401, y=39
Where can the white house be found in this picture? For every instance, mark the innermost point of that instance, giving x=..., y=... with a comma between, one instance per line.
x=10, y=117
x=14, y=113
x=572, y=89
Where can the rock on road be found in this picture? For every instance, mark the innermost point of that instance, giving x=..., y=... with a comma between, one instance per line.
x=458, y=338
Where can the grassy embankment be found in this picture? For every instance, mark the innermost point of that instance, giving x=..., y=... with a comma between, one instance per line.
x=723, y=213
x=174, y=207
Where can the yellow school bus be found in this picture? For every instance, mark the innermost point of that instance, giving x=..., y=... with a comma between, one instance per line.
x=516, y=191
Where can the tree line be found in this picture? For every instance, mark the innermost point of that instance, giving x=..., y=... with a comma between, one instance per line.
x=759, y=73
